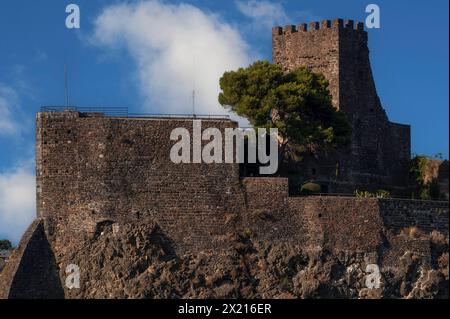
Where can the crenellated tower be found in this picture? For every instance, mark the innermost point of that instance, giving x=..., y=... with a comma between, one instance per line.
x=379, y=150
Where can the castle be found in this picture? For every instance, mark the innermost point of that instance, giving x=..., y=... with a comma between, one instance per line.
x=380, y=150
x=95, y=170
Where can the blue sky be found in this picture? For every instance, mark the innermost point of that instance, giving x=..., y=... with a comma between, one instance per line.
x=137, y=55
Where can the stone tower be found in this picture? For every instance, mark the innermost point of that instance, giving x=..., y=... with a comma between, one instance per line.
x=380, y=150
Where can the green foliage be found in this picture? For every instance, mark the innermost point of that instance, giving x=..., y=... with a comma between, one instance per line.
x=285, y=283
x=310, y=188
x=298, y=104
x=363, y=194
x=5, y=245
x=424, y=193
x=418, y=168
x=381, y=193
x=422, y=189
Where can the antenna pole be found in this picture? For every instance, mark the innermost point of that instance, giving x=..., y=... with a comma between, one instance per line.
x=193, y=102
x=66, y=86
x=193, y=89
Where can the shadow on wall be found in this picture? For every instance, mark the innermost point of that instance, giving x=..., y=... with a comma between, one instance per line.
x=442, y=177
x=159, y=239
x=37, y=276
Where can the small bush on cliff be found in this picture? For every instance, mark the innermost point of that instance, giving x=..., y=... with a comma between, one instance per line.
x=412, y=232
x=285, y=284
x=298, y=104
x=437, y=238
x=5, y=244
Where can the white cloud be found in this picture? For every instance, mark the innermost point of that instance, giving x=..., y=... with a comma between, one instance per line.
x=263, y=14
x=8, y=105
x=165, y=40
x=17, y=201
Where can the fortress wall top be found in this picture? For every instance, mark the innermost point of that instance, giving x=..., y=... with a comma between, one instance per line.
x=325, y=48
x=96, y=169
x=317, y=49
x=325, y=24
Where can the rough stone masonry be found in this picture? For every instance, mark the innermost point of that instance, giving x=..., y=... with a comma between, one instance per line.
x=380, y=150
x=99, y=176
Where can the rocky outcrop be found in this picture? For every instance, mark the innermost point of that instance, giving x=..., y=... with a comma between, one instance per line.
x=31, y=272
x=138, y=261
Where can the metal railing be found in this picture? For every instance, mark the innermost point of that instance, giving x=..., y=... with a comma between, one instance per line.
x=180, y=116
x=123, y=112
x=108, y=111
x=324, y=194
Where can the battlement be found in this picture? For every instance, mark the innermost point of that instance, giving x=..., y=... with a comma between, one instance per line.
x=339, y=50
x=313, y=26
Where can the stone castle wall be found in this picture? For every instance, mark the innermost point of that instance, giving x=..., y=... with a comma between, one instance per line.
x=380, y=150
x=337, y=223
x=95, y=169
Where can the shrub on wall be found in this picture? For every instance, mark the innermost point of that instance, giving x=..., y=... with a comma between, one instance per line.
x=381, y=193
x=310, y=188
x=422, y=189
